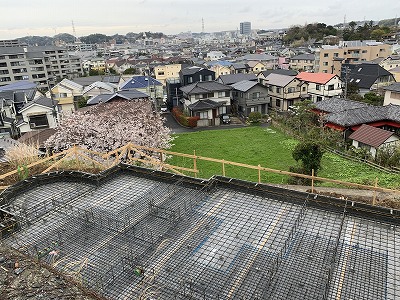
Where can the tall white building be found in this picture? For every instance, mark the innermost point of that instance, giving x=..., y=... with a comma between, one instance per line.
x=245, y=28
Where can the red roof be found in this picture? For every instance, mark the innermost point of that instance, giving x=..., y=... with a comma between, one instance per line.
x=371, y=136
x=320, y=78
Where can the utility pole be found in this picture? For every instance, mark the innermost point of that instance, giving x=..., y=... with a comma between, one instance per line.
x=346, y=70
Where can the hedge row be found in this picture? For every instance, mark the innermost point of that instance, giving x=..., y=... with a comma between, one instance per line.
x=183, y=120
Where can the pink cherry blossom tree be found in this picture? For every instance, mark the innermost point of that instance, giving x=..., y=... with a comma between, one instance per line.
x=108, y=126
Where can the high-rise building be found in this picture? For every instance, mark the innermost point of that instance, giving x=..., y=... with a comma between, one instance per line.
x=245, y=28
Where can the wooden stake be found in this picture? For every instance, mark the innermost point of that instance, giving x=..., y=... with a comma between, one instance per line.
x=312, y=181
x=195, y=163
x=223, y=167
x=259, y=173
x=374, y=197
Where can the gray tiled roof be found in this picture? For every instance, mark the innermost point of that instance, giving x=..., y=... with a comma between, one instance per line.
x=278, y=79
x=204, y=87
x=365, y=115
x=279, y=71
x=204, y=105
x=304, y=57
x=125, y=94
x=191, y=70
x=395, y=87
x=334, y=105
x=365, y=75
x=244, y=85
x=43, y=101
x=234, y=78
x=260, y=57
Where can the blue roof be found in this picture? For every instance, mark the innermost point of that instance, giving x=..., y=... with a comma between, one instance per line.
x=139, y=82
x=19, y=85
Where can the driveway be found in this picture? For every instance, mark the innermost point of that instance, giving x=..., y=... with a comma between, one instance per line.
x=177, y=128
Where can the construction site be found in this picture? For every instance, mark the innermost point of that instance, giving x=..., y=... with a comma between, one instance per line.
x=136, y=233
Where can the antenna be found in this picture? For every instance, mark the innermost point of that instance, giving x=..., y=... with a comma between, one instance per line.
x=202, y=25
x=344, y=21
x=73, y=31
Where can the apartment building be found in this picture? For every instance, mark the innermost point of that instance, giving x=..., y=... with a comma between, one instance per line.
x=329, y=59
x=163, y=72
x=302, y=62
x=37, y=64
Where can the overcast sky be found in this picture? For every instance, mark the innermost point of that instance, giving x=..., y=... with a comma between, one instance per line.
x=44, y=17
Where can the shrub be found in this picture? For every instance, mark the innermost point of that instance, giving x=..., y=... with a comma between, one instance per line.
x=255, y=117
x=183, y=120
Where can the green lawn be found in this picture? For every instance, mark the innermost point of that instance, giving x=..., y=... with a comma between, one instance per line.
x=269, y=148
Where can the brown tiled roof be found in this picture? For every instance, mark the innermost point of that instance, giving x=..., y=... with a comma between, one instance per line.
x=370, y=135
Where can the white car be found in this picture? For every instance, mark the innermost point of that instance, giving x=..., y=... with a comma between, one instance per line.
x=163, y=108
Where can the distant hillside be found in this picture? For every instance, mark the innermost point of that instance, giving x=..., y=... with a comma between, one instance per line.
x=389, y=22
x=96, y=38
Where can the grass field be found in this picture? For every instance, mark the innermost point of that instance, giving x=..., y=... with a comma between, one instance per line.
x=269, y=148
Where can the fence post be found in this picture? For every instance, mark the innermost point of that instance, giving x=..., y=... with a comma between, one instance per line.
x=374, y=196
x=312, y=181
x=195, y=163
x=259, y=173
x=223, y=167
x=161, y=161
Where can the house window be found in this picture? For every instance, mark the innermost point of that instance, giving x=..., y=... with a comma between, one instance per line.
x=63, y=95
x=304, y=88
x=278, y=103
x=222, y=110
x=325, y=54
x=278, y=90
x=291, y=90
x=160, y=73
x=203, y=115
x=190, y=79
x=331, y=87
x=325, y=63
x=290, y=103
x=38, y=121
x=318, y=87
x=256, y=95
x=319, y=98
x=221, y=94
x=208, y=78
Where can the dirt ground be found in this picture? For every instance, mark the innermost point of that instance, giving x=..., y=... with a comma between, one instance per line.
x=24, y=278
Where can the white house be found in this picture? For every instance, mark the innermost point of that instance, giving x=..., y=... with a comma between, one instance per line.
x=373, y=138
x=392, y=94
x=321, y=86
x=215, y=55
x=39, y=114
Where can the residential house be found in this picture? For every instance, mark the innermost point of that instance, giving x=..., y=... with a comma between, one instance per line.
x=195, y=74
x=396, y=73
x=392, y=94
x=384, y=117
x=215, y=55
x=256, y=67
x=67, y=93
x=128, y=95
x=234, y=78
x=321, y=85
x=249, y=96
x=373, y=139
x=145, y=84
x=40, y=113
x=207, y=100
x=120, y=66
x=269, y=61
x=368, y=77
x=303, y=62
x=37, y=138
x=7, y=118
x=390, y=62
x=163, y=72
x=284, y=91
x=220, y=67
x=116, y=80
x=237, y=68
x=329, y=59
x=262, y=75
x=99, y=88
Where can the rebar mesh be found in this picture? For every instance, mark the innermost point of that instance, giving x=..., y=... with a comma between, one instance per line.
x=137, y=237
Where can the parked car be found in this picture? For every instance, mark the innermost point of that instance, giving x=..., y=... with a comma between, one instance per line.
x=163, y=108
x=225, y=119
